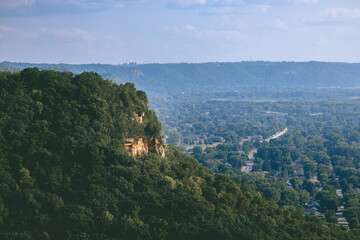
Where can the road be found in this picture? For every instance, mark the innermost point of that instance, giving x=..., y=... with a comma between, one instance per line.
x=340, y=211
x=276, y=135
x=250, y=163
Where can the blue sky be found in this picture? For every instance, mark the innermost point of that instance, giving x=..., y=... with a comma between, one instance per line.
x=148, y=31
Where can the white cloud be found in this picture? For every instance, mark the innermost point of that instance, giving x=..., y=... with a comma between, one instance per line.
x=264, y=9
x=348, y=31
x=68, y=34
x=4, y=28
x=120, y=5
x=336, y=16
x=196, y=4
x=280, y=2
x=281, y=25
x=49, y=7
x=303, y=1
x=59, y=33
x=7, y=31
x=190, y=2
x=82, y=3
x=213, y=4
x=72, y=33
x=10, y=4
x=343, y=13
x=232, y=24
x=190, y=27
x=219, y=34
x=292, y=1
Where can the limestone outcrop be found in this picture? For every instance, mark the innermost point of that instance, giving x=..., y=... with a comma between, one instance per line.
x=156, y=147
x=137, y=147
x=138, y=118
x=142, y=146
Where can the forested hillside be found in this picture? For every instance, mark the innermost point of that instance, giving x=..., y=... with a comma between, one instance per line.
x=65, y=173
x=163, y=79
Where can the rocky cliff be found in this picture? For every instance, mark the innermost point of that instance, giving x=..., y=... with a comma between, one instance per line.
x=142, y=146
x=156, y=147
x=138, y=118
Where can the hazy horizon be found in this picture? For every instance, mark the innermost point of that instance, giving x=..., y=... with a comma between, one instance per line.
x=145, y=63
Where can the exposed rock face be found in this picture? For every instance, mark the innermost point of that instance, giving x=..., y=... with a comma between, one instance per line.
x=143, y=146
x=156, y=147
x=136, y=147
x=138, y=118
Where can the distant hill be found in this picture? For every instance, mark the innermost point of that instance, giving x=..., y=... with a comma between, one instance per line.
x=162, y=79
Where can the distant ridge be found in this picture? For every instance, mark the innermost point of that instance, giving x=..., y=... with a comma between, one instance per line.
x=162, y=79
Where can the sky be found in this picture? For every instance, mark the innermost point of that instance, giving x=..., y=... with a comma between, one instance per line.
x=172, y=31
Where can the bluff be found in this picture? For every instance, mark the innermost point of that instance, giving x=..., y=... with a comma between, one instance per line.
x=167, y=79
x=68, y=171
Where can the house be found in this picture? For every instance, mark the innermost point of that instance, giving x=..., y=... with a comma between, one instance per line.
x=357, y=190
x=314, y=204
x=310, y=211
x=228, y=165
x=319, y=215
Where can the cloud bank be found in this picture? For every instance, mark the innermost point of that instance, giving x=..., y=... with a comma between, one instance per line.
x=336, y=16
x=16, y=8
x=201, y=4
